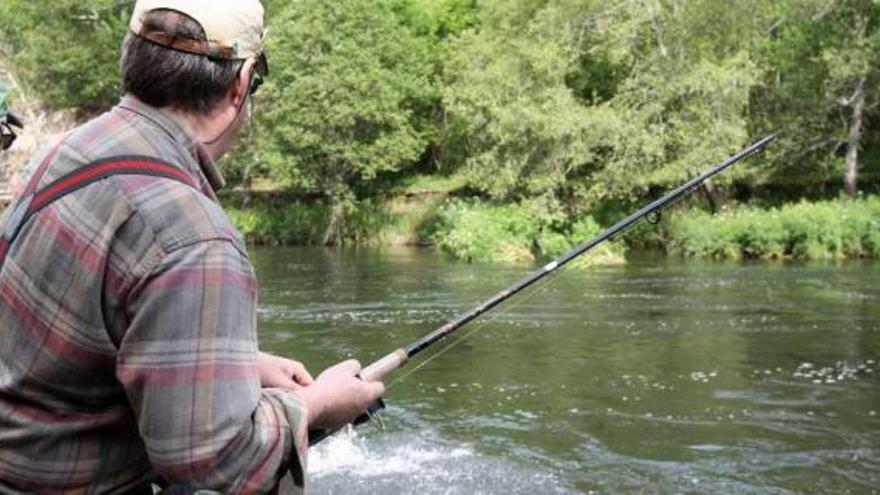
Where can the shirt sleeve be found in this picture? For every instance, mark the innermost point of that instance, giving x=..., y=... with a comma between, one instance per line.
x=188, y=363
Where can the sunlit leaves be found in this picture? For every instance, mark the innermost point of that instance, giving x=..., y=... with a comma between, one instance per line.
x=347, y=96
x=65, y=49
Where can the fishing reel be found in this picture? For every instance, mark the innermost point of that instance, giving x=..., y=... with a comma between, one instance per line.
x=7, y=133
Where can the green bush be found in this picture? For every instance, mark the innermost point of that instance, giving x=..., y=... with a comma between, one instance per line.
x=812, y=231
x=305, y=224
x=296, y=224
x=475, y=231
x=478, y=232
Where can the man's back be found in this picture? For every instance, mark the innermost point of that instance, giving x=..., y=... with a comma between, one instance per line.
x=92, y=346
x=128, y=349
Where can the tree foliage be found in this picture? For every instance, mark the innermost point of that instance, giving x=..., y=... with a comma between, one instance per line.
x=814, y=58
x=512, y=123
x=571, y=102
x=66, y=50
x=343, y=104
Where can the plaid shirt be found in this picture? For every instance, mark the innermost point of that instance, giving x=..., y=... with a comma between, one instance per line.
x=128, y=348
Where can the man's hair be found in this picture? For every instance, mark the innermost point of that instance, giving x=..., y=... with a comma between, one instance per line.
x=163, y=77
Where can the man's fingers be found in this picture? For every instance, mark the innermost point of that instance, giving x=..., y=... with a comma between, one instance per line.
x=287, y=383
x=301, y=375
x=352, y=366
x=377, y=389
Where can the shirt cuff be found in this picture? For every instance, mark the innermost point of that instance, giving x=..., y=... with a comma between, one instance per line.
x=297, y=414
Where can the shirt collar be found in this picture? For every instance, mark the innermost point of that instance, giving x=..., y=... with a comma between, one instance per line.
x=179, y=130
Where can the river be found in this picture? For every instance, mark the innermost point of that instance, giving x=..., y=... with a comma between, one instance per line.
x=658, y=376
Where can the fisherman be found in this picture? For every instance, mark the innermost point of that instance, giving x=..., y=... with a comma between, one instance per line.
x=128, y=350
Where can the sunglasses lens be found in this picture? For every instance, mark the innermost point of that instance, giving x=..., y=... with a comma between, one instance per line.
x=262, y=65
x=256, y=82
x=261, y=70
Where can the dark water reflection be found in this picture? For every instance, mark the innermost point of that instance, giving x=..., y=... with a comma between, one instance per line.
x=660, y=376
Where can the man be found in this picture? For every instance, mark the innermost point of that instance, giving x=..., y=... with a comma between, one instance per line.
x=128, y=351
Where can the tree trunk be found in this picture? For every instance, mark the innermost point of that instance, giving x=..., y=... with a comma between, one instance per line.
x=655, y=11
x=854, y=139
x=340, y=204
x=717, y=200
x=247, y=190
x=334, y=226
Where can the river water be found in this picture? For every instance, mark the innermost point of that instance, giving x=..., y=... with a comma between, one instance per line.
x=659, y=376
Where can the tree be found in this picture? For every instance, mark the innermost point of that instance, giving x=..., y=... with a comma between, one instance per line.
x=821, y=70
x=852, y=62
x=439, y=18
x=579, y=98
x=66, y=49
x=686, y=95
x=346, y=99
x=512, y=124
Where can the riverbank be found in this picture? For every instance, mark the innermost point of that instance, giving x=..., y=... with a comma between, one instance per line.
x=472, y=230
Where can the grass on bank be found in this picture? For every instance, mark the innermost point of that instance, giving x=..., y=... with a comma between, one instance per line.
x=467, y=229
x=839, y=229
x=526, y=232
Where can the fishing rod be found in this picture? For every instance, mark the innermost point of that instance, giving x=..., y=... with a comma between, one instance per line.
x=378, y=370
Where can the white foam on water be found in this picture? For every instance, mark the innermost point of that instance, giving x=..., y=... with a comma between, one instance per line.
x=347, y=452
x=420, y=462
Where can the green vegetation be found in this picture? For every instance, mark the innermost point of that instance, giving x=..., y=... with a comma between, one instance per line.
x=476, y=231
x=535, y=116
x=814, y=231
x=304, y=223
x=66, y=50
x=3, y=105
x=468, y=230
x=346, y=95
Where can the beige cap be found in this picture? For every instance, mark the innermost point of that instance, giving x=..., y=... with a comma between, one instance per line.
x=234, y=28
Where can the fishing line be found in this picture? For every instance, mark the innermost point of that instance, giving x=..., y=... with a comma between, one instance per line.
x=544, y=284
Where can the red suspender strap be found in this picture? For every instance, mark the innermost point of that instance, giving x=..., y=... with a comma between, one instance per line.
x=32, y=201
x=41, y=170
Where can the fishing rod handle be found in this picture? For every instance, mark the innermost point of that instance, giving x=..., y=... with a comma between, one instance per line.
x=378, y=370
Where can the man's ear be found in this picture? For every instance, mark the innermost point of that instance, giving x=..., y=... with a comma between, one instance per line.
x=243, y=84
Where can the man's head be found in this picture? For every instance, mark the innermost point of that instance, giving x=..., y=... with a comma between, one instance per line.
x=198, y=57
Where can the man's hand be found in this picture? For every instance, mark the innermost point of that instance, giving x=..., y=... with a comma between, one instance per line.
x=338, y=396
x=279, y=372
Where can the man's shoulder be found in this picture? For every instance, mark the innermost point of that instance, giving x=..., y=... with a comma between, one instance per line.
x=174, y=213
x=121, y=133
x=177, y=214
